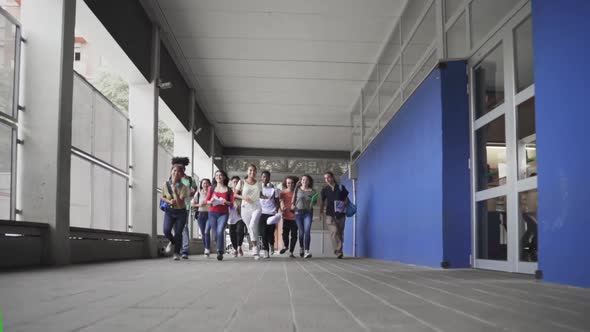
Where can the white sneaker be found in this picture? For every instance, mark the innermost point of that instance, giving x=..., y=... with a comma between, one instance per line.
x=307, y=254
x=235, y=253
x=206, y=253
x=168, y=248
x=176, y=257
x=256, y=253
x=272, y=251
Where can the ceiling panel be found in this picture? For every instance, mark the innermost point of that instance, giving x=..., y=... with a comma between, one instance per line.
x=273, y=49
x=285, y=137
x=280, y=69
x=278, y=73
x=279, y=26
x=352, y=8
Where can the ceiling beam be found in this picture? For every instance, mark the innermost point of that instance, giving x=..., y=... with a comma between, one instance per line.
x=288, y=153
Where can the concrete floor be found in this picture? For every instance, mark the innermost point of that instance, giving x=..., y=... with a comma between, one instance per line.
x=282, y=294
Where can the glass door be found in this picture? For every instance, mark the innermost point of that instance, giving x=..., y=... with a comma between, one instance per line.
x=503, y=150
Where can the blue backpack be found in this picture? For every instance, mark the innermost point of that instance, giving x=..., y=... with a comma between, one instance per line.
x=350, y=207
x=163, y=204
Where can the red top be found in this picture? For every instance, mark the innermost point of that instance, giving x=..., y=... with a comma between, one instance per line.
x=219, y=208
x=286, y=197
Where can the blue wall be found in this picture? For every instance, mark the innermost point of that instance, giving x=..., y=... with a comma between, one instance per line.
x=400, y=191
x=456, y=181
x=562, y=90
x=400, y=184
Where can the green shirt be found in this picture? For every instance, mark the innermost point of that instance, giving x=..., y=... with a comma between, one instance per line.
x=180, y=188
x=186, y=181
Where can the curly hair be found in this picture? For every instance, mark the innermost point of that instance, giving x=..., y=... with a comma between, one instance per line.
x=184, y=161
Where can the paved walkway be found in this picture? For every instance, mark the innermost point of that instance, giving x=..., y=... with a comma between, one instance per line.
x=282, y=294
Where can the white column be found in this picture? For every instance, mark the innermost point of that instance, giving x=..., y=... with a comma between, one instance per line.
x=143, y=113
x=48, y=27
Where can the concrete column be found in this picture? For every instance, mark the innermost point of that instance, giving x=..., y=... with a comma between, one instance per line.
x=46, y=128
x=143, y=112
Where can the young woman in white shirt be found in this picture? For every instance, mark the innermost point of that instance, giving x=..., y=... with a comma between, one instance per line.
x=249, y=192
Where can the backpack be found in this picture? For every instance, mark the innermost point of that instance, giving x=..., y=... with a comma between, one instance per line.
x=350, y=207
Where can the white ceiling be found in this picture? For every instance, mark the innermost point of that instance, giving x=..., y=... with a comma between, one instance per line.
x=278, y=73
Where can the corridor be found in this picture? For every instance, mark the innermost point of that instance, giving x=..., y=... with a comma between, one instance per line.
x=281, y=294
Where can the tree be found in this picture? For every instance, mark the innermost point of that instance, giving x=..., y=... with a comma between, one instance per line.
x=116, y=89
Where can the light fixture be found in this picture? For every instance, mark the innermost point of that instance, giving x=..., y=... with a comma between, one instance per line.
x=196, y=131
x=164, y=85
x=217, y=158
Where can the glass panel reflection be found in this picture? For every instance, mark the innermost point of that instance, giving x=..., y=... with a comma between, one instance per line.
x=490, y=151
x=527, y=216
x=492, y=230
x=527, y=139
x=489, y=82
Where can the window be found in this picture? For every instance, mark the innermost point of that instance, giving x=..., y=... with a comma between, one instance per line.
x=527, y=139
x=490, y=153
x=77, y=56
x=489, y=82
x=492, y=230
x=523, y=49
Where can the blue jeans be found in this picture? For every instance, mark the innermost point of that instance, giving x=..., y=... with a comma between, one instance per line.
x=217, y=222
x=202, y=221
x=186, y=240
x=303, y=220
x=175, y=219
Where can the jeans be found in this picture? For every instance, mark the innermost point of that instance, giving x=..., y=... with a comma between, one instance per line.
x=289, y=226
x=304, y=220
x=186, y=240
x=202, y=222
x=217, y=222
x=250, y=216
x=175, y=219
x=236, y=233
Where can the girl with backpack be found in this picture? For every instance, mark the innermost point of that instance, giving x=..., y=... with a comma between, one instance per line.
x=174, y=194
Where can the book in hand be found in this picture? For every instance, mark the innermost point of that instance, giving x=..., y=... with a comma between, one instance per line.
x=217, y=201
x=339, y=206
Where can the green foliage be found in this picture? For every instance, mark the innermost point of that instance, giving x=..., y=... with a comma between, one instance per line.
x=116, y=89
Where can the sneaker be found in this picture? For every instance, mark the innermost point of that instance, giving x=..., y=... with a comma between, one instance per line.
x=283, y=251
x=176, y=257
x=235, y=253
x=184, y=256
x=207, y=252
x=340, y=256
x=272, y=251
x=307, y=254
x=168, y=248
x=264, y=254
x=301, y=253
x=291, y=255
x=219, y=256
x=240, y=252
x=256, y=257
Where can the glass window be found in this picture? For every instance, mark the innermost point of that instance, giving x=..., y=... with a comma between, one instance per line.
x=370, y=118
x=492, y=230
x=7, y=65
x=527, y=139
x=6, y=146
x=82, y=115
x=390, y=86
x=523, y=51
x=391, y=51
x=419, y=43
x=489, y=82
x=80, y=193
x=485, y=15
x=490, y=153
x=410, y=17
x=451, y=6
x=457, y=39
x=371, y=86
x=102, y=129
x=421, y=74
x=527, y=216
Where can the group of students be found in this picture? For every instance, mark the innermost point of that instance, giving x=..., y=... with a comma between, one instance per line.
x=250, y=206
